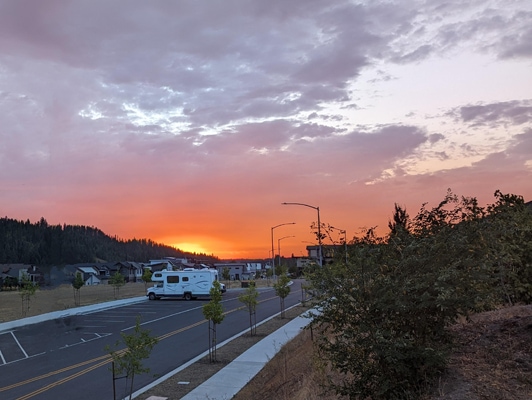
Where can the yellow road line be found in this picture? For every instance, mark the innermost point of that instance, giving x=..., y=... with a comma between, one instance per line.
x=106, y=359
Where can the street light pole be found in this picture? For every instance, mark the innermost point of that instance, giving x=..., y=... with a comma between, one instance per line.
x=273, y=250
x=279, y=246
x=320, y=256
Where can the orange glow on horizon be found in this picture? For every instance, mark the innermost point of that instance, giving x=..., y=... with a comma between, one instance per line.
x=205, y=245
x=190, y=248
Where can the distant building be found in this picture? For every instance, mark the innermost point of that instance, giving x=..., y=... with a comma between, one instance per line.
x=90, y=275
x=12, y=272
x=329, y=252
x=237, y=270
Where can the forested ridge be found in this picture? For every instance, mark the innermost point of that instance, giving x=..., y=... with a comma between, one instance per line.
x=43, y=244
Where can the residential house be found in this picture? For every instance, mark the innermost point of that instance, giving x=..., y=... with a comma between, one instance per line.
x=89, y=272
x=10, y=272
x=90, y=275
x=237, y=271
x=132, y=271
x=254, y=269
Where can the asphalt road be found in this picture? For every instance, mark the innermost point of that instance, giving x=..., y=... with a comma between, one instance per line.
x=66, y=358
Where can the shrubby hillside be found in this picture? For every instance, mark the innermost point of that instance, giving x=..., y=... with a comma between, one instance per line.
x=387, y=309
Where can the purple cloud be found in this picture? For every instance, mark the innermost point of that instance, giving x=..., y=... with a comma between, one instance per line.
x=511, y=112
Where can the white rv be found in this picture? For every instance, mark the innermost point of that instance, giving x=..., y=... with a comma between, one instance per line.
x=188, y=284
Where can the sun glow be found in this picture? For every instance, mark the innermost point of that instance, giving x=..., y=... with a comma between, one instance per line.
x=190, y=247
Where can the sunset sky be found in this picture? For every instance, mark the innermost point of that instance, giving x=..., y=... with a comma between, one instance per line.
x=189, y=122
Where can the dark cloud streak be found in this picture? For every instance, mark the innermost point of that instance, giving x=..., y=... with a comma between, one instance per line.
x=512, y=112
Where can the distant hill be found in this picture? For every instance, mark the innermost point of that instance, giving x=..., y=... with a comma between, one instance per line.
x=43, y=244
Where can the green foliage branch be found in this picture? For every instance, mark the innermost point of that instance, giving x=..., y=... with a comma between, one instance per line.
x=226, y=276
x=117, y=280
x=128, y=361
x=282, y=289
x=146, y=277
x=27, y=290
x=250, y=299
x=77, y=284
x=214, y=314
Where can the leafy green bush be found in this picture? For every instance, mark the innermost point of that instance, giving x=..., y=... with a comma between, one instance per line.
x=384, y=314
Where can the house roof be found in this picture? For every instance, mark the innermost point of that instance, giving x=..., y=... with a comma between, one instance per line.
x=13, y=269
x=88, y=270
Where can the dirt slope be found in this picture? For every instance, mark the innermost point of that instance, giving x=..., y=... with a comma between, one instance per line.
x=493, y=361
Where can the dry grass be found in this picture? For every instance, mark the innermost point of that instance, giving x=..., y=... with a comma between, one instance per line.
x=493, y=361
x=290, y=375
x=62, y=298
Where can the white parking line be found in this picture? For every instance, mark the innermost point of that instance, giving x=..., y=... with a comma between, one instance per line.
x=2, y=357
x=165, y=317
x=21, y=348
x=96, y=337
x=174, y=314
x=96, y=320
x=92, y=326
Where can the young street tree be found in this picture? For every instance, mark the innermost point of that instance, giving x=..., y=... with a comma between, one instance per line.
x=269, y=275
x=146, y=277
x=77, y=284
x=117, y=280
x=282, y=289
x=249, y=298
x=128, y=361
x=27, y=291
x=226, y=276
x=214, y=313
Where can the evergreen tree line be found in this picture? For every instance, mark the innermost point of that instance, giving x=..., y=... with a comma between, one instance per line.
x=385, y=310
x=43, y=244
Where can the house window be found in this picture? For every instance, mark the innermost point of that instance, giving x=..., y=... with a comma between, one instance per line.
x=172, y=279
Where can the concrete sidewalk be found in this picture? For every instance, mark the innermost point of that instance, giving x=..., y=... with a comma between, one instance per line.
x=231, y=379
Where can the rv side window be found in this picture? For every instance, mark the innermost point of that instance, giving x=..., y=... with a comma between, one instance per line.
x=172, y=279
x=157, y=275
x=185, y=279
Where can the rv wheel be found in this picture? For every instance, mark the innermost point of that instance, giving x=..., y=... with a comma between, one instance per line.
x=152, y=296
x=188, y=296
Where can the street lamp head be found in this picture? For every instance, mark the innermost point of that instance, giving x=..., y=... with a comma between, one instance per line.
x=286, y=223
x=300, y=204
x=284, y=237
